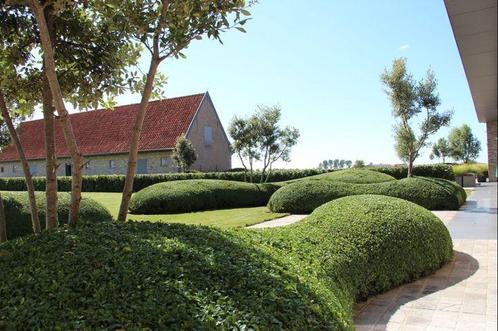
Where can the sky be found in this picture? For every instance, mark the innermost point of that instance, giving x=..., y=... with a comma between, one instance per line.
x=321, y=61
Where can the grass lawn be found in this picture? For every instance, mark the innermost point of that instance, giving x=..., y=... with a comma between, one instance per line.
x=226, y=218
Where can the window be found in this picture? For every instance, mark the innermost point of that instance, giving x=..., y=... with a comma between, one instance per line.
x=33, y=169
x=1, y=169
x=87, y=164
x=14, y=168
x=164, y=162
x=112, y=164
x=208, y=135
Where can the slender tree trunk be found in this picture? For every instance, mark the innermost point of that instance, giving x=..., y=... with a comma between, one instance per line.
x=35, y=220
x=51, y=218
x=3, y=222
x=410, y=167
x=137, y=129
x=50, y=72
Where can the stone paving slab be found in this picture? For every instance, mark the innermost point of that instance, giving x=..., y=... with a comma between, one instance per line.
x=460, y=296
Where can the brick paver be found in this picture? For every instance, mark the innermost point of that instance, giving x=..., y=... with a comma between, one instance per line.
x=460, y=296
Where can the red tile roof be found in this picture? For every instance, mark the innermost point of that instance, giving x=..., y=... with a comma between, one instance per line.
x=108, y=131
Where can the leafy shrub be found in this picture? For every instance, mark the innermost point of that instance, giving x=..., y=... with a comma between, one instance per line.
x=302, y=197
x=356, y=176
x=115, y=183
x=176, y=277
x=443, y=171
x=18, y=213
x=478, y=169
x=201, y=194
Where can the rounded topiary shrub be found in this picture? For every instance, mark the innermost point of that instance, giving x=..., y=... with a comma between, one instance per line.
x=199, y=194
x=18, y=213
x=373, y=243
x=154, y=276
x=304, y=196
x=355, y=176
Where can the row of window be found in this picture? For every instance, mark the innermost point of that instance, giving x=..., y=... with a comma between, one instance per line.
x=164, y=162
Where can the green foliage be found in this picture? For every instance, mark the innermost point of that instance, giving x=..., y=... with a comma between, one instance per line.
x=176, y=277
x=184, y=153
x=303, y=196
x=18, y=212
x=478, y=169
x=441, y=150
x=115, y=183
x=195, y=195
x=359, y=164
x=408, y=99
x=335, y=164
x=464, y=146
x=260, y=138
x=356, y=176
x=443, y=171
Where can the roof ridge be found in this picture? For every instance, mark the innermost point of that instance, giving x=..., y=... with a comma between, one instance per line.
x=121, y=106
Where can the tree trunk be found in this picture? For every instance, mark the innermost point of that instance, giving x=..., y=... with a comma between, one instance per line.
x=51, y=218
x=137, y=129
x=50, y=72
x=35, y=220
x=3, y=222
x=410, y=167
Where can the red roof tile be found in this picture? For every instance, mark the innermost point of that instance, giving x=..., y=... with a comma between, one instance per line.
x=109, y=131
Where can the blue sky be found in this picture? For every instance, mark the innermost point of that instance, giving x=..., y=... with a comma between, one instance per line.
x=320, y=61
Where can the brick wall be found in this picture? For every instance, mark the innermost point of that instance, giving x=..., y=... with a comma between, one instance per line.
x=97, y=165
x=215, y=156
x=492, y=146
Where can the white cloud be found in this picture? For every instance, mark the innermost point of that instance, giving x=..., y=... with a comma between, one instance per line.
x=404, y=46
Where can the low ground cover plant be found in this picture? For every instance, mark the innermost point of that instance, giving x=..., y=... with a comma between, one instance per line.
x=176, y=277
x=478, y=169
x=443, y=171
x=202, y=194
x=302, y=197
x=17, y=212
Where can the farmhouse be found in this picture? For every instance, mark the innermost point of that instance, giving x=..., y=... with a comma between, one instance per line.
x=103, y=137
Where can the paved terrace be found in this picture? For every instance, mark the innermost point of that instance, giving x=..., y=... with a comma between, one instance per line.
x=460, y=296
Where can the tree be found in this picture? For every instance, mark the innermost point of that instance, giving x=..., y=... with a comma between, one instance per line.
x=3, y=222
x=409, y=99
x=336, y=163
x=441, y=150
x=359, y=164
x=463, y=145
x=342, y=163
x=349, y=163
x=90, y=59
x=274, y=142
x=165, y=28
x=184, y=153
x=245, y=140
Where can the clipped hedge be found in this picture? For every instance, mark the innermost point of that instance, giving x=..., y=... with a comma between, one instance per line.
x=153, y=276
x=443, y=171
x=356, y=176
x=302, y=197
x=115, y=183
x=203, y=194
x=18, y=214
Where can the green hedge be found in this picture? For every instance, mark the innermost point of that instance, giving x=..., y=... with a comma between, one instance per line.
x=153, y=276
x=18, y=214
x=302, y=197
x=184, y=196
x=356, y=176
x=443, y=171
x=115, y=183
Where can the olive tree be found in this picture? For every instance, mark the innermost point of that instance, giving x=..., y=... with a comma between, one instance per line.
x=463, y=145
x=409, y=99
x=441, y=150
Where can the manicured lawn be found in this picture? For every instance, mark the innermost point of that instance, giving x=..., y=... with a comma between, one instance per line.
x=226, y=218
